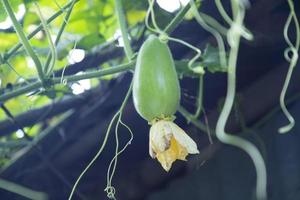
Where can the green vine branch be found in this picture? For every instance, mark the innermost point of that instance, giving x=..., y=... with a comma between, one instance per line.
x=177, y=19
x=113, y=164
x=191, y=118
x=233, y=37
x=72, y=78
x=24, y=40
x=291, y=55
x=21, y=190
x=58, y=37
x=124, y=31
x=48, y=66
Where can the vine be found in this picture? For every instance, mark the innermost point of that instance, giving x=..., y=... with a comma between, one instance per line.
x=233, y=37
x=118, y=115
x=109, y=189
x=292, y=59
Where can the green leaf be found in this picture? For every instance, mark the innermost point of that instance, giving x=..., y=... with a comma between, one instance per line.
x=135, y=16
x=91, y=40
x=183, y=69
x=211, y=60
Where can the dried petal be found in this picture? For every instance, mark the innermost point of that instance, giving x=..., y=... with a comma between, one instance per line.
x=168, y=142
x=184, y=139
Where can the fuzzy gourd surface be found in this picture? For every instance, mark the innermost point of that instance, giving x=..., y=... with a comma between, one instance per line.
x=156, y=90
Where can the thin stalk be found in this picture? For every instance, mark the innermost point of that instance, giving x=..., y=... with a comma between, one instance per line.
x=213, y=23
x=113, y=164
x=248, y=147
x=123, y=27
x=213, y=31
x=192, y=119
x=102, y=145
x=177, y=19
x=150, y=12
x=292, y=59
x=72, y=78
x=200, y=97
x=59, y=34
x=95, y=74
x=223, y=12
x=20, y=91
x=51, y=64
x=198, y=51
x=95, y=157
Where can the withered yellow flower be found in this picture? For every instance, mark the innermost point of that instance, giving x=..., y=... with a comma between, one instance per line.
x=168, y=142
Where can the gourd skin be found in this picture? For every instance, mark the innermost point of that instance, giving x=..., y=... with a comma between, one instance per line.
x=156, y=91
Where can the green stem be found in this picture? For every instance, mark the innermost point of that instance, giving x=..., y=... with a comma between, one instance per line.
x=213, y=23
x=73, y=78
x=103, y=143
x=113, y=164
x=223, y=12
x=60, y=32
x=213, y=31
x=95, y=74
x=177, y=19
x=52, y=47
x=21, y=190
x=13, y=50
x=95, y=157
x=192, y=119
x=292, y=59
x=24, y=39
x=248, y=147
x=20, y=91
x=123, y=27
x=200, y=96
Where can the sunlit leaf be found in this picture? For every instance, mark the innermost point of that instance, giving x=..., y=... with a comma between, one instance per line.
x=7, y=40
x=135, y=16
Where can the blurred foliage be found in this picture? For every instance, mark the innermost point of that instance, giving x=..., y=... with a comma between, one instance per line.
x=92, y=23
x=14, y=3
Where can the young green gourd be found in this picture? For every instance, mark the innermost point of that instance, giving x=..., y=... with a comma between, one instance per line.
x=156, y=88
x=156, y=96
